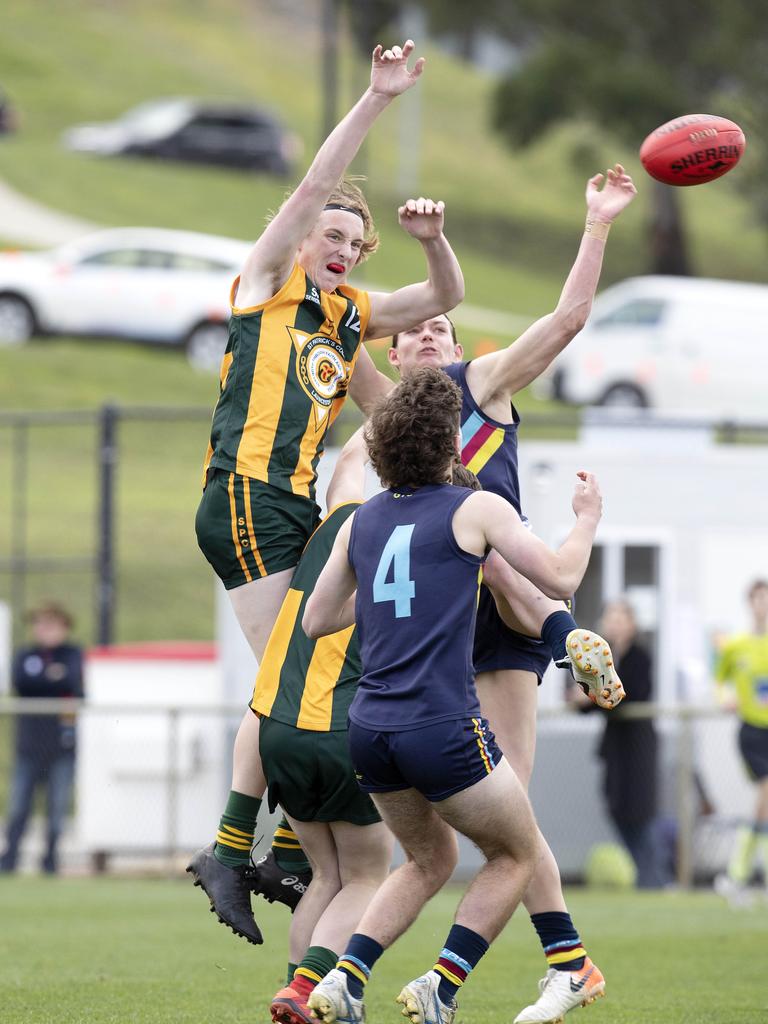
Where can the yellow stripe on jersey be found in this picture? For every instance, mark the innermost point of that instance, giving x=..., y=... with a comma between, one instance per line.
x=268, y=678
x=235, y=529
x=207, y=462
x=249, y=523
x=322, y=674
x=226, y=362
x=486, y=451
x=302, y=476
x=266, y=399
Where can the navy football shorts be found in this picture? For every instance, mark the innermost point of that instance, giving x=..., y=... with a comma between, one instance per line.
x=753, y=744
x=437, y=760
x=499, y=647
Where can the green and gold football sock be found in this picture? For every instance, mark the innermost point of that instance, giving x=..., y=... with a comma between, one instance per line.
x=287, y=849
x=238, y=823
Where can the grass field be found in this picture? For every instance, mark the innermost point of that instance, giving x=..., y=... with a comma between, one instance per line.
x=109, y=951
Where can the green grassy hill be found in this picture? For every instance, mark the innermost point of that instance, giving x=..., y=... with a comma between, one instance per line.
x=515, y=219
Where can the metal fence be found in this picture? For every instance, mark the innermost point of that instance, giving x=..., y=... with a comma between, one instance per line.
x=97, y=502
x=151, y=782
x=92, y=500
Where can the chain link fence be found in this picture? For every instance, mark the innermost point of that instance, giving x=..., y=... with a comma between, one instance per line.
x=151, y=781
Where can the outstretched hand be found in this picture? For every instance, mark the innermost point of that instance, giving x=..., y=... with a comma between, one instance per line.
x=618, y=192
x=422, y=218
x=587, y=499
x=389, y=69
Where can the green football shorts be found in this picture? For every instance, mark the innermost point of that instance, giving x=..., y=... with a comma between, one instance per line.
x=310, y=775
x=248, y=529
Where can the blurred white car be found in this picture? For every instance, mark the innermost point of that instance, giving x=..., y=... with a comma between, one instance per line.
x=673, y=344
x=147, y=284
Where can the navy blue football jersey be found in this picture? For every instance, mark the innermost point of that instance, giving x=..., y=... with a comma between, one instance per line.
x=415, y=609
x=488, y=448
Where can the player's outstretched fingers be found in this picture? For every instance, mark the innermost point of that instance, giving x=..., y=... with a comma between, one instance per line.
x=408, y=47
x=377, y=52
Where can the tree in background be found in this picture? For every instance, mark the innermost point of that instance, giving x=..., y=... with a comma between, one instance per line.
x=627, y=68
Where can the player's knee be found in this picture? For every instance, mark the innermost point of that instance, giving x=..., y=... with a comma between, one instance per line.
x=437, y=860
x=326, y=875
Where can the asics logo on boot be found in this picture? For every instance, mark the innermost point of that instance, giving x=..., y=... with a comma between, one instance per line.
x=292, y=882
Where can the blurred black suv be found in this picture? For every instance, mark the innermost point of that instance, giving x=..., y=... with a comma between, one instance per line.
x=230, y=134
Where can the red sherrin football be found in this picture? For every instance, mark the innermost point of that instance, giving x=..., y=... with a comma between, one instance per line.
x=692, y=149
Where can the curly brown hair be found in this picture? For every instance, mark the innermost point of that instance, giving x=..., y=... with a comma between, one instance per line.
x=463, y=477
x=411, y=435
x=347, y=193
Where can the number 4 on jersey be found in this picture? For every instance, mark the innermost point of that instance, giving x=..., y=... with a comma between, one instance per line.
x=401, y=589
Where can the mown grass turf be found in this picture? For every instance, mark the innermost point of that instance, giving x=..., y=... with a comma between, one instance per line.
x=108, y=951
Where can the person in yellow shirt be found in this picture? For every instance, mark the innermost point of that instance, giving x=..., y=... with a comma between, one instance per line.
x=743, y=667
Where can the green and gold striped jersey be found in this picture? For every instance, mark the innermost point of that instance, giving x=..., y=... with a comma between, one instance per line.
x=301, y=682
x=743, y=662
x=283, y=381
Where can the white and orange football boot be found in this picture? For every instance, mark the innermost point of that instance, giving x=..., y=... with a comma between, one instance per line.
x=590, y=661
x=561, y=991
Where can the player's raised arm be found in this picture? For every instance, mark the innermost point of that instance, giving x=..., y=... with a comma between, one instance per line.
x=368, y=384
x=556, y=573
x=423, y=219
x=269, y=263
x=331, y=606
x=508, y=371
x=348, y=479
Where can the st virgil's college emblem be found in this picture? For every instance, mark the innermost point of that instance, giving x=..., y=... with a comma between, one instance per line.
x=322, y=370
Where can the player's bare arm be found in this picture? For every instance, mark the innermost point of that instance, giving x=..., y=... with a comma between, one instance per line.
x=331, y=606
x=269, y=263
x=499, y=375
x=488, y=521
x=423, y=219
x=348, y=480
x=368, y=385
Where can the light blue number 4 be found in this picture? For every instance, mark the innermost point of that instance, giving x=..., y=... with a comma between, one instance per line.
x=402, y=590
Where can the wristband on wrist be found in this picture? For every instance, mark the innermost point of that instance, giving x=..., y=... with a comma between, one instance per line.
x=597, y=228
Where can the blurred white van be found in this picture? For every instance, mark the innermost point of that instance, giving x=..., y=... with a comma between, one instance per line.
x=674, y=344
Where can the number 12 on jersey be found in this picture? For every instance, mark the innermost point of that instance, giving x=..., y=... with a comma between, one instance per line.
x=401, y=589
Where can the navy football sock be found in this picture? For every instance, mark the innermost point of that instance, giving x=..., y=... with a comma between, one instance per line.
x=460, y=954
x=560, y=940
x=555, y=631
x=357, y=961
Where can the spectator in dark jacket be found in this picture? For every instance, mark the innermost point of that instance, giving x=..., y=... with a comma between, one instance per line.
x=52, y=668
x=628, y=748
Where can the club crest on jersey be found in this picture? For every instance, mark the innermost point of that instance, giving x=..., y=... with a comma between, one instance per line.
x=322, y=370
